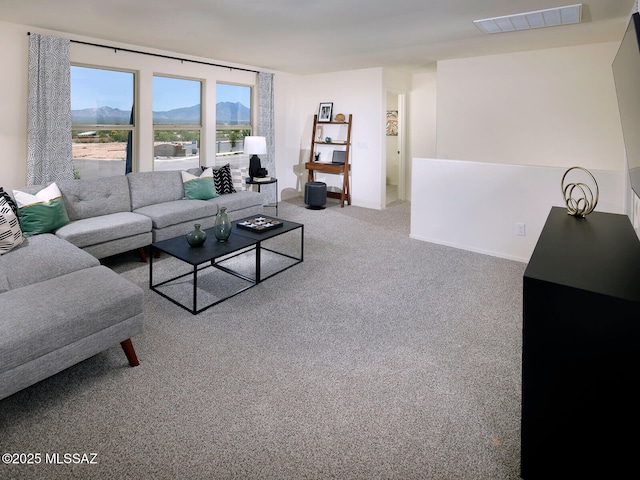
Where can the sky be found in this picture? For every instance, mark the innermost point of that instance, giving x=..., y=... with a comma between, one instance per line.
x=94, y=87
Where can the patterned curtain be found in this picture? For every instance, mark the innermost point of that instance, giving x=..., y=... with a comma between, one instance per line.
x=49, y=155
x=266, y=128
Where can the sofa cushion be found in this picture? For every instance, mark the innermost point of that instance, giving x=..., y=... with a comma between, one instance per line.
x=95, y=197
x=43, y=212
x=150, y=188
x=239, y=178
x=165, y=214
x=10, y=232
x=4, y=282
x=84, y=302
x=238, y=201
x=199, y=187
x=223, y=181
x=105, y=228
x=39, y=258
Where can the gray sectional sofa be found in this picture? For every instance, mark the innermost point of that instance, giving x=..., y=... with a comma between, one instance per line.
x=59, y=304
x=116, y=214
x=159, y=196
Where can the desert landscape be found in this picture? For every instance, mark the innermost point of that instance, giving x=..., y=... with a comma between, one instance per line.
x=109, y=151
x=93, y=160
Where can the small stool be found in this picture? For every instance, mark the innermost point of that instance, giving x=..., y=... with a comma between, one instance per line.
x=315, y=195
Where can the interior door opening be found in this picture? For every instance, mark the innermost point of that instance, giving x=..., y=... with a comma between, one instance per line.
x=394, y=185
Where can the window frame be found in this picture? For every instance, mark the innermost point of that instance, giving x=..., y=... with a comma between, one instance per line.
x=239, y=157
x=132, y=127
x=200, y=128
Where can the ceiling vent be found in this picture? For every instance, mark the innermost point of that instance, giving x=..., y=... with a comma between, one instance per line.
x=524, y=21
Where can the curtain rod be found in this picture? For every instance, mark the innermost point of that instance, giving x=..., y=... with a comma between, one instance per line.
x=161, y=56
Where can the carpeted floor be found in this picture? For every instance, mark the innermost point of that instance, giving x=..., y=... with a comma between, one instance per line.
x=378, y=357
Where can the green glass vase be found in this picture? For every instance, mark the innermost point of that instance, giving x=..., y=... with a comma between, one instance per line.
x=196, y=237
x=222, y=227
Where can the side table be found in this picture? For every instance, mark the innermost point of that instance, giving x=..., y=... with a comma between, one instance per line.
x=268, y=182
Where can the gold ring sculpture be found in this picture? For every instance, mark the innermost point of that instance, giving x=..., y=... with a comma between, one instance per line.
x=584, y=202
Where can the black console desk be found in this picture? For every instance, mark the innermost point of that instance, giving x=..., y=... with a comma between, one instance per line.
x=581, y=349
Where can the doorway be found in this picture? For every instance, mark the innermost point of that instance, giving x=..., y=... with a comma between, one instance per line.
x=394, y=185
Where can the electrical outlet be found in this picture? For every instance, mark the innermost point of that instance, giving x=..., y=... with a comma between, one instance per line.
x=520, y=229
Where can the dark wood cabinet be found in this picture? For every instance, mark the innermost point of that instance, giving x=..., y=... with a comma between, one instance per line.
x=581, y=345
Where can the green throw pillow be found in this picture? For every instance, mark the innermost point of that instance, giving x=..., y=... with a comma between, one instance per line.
x=199, y=188
x=43, y=212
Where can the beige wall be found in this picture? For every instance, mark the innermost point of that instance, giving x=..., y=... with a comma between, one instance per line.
x=478, y=206
x=356, y=92
x=508, y=126
x=13, y=99
x=422, y=117
x=361, y=93
x=553, y=107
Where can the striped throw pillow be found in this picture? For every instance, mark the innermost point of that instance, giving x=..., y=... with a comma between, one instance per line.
x=10, y=232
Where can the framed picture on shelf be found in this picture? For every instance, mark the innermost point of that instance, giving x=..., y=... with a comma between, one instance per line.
x=324, y=113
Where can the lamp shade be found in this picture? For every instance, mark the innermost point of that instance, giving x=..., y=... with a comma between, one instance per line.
x=255, y=145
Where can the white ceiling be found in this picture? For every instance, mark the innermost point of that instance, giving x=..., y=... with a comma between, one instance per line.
x=313, y=36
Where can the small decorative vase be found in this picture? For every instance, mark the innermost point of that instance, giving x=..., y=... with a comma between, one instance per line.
x=222, y=227
x=196, y=237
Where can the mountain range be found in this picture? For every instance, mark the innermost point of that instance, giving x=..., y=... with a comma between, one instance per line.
x=227, y=113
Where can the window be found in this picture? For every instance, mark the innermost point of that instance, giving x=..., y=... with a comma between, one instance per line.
x=102, y=118
x=233, y=123
x=177, y=123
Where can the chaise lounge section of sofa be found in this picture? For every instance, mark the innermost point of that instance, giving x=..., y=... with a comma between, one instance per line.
x=59, y=307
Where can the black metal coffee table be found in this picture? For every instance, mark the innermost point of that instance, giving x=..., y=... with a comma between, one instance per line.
x=208, y=254
x=214, y=254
